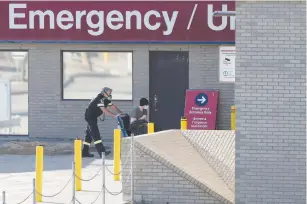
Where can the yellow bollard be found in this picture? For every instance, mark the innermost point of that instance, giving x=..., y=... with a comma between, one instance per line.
x=233, y=117
x=105, y=58
x=78, y=163
x=84, y=58
x=150, y=128
x=39, y=173
x=184, y=123
x=117, y=141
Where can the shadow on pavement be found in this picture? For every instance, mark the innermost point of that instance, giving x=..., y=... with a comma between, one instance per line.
x=26, y=163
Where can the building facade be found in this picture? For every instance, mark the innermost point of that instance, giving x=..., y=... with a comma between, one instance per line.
x=138, y=51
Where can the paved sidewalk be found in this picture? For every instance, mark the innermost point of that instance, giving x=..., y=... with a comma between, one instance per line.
x=17, y=173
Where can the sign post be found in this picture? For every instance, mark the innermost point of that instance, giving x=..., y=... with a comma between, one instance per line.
x=201, y=109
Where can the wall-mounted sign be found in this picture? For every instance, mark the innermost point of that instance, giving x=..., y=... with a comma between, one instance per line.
x=108, y=21
x=227, y=64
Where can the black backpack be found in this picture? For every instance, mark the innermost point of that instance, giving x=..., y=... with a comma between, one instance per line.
x=126, y=122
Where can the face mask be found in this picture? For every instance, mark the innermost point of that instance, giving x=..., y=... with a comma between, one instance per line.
x=109, y=97
x=145, y=107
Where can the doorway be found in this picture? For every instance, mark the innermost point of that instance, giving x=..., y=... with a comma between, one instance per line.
x=169, y=80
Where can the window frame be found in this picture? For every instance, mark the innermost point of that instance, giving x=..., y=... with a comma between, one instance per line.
x=28, y=51
x=109, y=51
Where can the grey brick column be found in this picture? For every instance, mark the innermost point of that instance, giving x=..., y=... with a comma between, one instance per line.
x=271, y=102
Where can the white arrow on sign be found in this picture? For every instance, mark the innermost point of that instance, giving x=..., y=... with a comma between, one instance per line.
x=202, y=100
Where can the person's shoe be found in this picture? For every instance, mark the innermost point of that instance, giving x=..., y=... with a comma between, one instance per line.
x=106, y=153
x=86, y=154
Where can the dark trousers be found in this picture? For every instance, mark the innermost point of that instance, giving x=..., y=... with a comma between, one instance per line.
x=139, y=127
x=92, y=133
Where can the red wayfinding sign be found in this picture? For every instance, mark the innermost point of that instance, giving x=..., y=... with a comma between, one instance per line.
x=201, y=109
x=114, y=21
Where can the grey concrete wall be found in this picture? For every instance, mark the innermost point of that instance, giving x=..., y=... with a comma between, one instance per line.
x=158, y=182
x=49, y=117
x=217, y=147
x=271, y=102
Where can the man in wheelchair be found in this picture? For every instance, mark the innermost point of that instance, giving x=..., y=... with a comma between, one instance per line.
x=139, y=118
x=136, y=123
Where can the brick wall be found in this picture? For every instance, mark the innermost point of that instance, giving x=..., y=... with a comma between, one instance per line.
x=158, y=183
x=217, y=147
x=271, y=102
x=204, y=74
x=49, y=117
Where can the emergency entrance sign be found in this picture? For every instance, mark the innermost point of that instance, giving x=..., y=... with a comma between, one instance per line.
x=201, y=109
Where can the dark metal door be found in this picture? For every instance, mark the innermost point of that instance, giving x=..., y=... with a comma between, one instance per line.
x=169, y=79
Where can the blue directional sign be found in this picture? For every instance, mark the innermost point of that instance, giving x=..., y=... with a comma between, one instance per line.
x=201, y=99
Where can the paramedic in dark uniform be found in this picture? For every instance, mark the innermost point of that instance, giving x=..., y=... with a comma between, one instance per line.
x=100, y=105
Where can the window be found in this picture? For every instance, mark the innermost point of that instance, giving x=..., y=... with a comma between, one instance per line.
x=86, y=73
x=14, y=93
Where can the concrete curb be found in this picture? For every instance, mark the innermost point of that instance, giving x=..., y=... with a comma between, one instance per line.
x=28, y=147
x=20, y=147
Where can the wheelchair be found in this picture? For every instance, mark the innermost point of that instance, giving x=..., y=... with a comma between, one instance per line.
x=138, y=127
